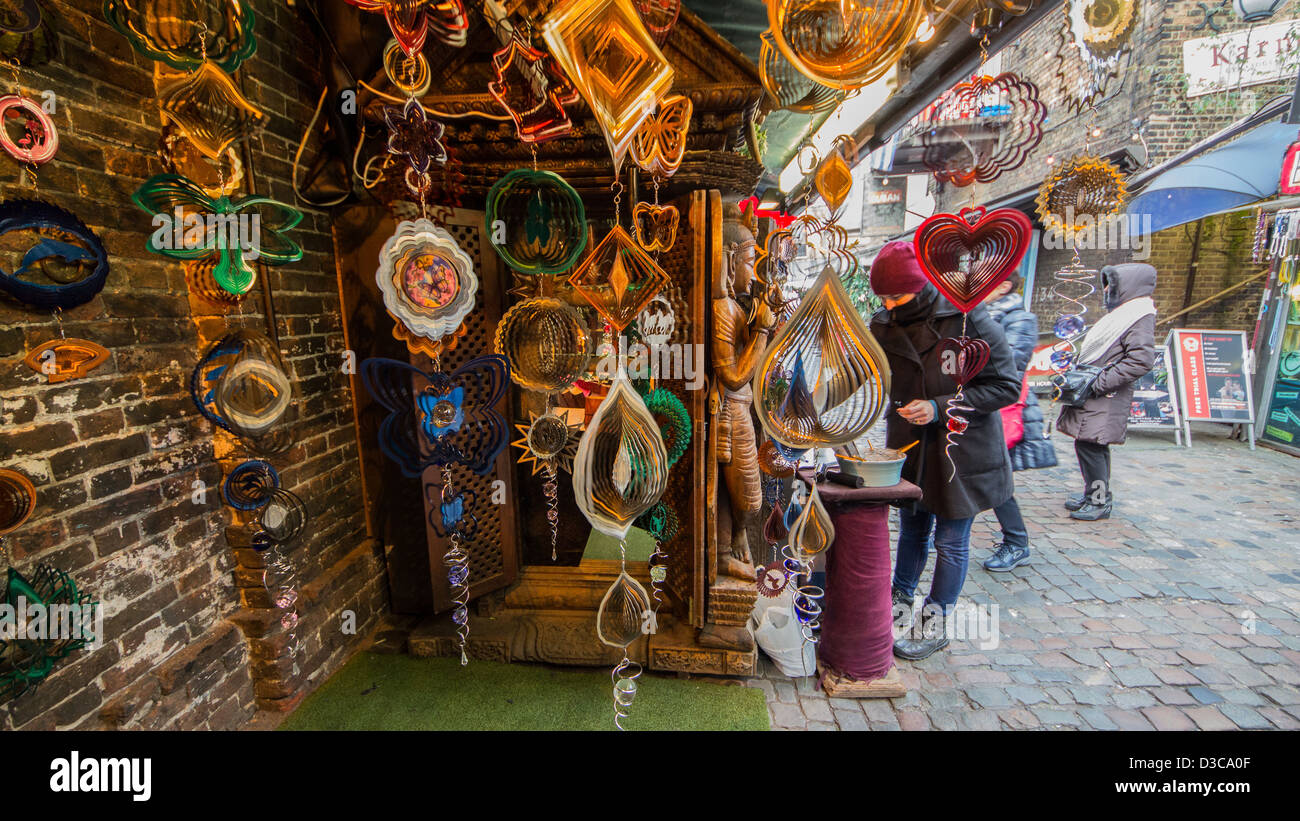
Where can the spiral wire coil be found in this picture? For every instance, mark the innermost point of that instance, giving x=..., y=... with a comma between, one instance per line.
x=1074, y=284
x=807, y=597
x=456, y=561
x=551, y=487
x=624, y=677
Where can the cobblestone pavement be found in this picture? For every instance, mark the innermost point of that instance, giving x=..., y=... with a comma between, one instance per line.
x=1181, y=612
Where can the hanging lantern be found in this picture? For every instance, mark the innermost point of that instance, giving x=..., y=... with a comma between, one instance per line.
x=1252, y=11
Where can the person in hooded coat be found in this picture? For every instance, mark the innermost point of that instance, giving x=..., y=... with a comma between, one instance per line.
x=909, y=329
x=1122, y=343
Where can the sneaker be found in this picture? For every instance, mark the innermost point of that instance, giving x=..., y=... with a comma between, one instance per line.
x=1075, y=501
x=1006, y=557
x=1091, y=512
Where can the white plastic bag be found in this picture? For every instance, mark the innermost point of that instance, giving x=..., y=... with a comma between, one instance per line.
x=778, y=635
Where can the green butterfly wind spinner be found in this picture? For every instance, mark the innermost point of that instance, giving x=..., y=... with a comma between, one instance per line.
x=235, y=231
x=42, y=620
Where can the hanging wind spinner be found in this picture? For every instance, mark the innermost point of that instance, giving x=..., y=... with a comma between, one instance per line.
x=26, y=655
x=217, y=178
x=618, y=279
x=1073, y=285
x=536, y=221
x=613, y=62
x=417, y=138
x=827, y=346
x=26, y=17
x=1083, y=187
x=428, y=285
x=40, y=139
x=183, y=33
x=210, y=110
x=233, y=231
x=966, y=256
x=834, y=177
x=844, y=44
x=655, y=226
x=66, y=267
x=546, y=343
x=249, y=485
x=659, y=17
x=412, y=21
x=673, y=419
x=530, y=86
x=1015, y=107
x=1100, y=32
x=549, y=443
x=240, y=384
x=791, y=89
x=810, y=533
x=451, y=419
x=659, y=144
x=771, y=579
x=61, y=359
x=662, y=523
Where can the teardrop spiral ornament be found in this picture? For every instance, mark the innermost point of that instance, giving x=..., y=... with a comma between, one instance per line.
x=813, y=531
x=624, y=676
x=1074, y=284
x=957, y=424
x=622, y=612
x=826, y=345
x=621, y=467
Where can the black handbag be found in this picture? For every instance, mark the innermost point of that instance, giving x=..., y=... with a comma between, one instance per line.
x=1074, y=387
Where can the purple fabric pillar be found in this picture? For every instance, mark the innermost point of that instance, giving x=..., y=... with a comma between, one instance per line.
x=857, y=623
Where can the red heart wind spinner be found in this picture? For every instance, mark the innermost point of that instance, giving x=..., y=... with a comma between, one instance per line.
x=968, y=254
x=963, y=358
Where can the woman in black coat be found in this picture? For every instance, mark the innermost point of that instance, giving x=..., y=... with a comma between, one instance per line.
x=1034, y=450
x=1122, y=343
x=915, y=319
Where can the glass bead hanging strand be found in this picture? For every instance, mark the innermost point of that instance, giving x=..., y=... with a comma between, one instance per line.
x=456, y=562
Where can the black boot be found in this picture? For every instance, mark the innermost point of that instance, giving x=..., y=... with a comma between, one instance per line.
x=1092, y=512
x=1006, y=557
x=902, y=609
x=1075, y=501
x=933, y=637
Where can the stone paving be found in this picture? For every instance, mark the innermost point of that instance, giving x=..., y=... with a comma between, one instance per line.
x=1180, y=612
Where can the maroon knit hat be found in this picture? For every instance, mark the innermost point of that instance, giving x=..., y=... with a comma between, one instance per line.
x=896, y=271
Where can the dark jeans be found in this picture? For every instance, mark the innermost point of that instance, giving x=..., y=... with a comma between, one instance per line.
x=1014, y=532
x=1094, y=464
x=951, y=539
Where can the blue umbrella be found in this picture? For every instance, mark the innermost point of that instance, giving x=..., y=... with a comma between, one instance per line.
x=1244, y=171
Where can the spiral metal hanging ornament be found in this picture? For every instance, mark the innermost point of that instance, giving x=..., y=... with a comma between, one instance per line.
x=957, y=161
x=623, y=616
x=546, y=342
x=548, y=443
x=456, y=560
x=1072, y=287
x=962, y=359
x=792, y=90
x=807, y=597
x=662, y=523
x=249, y=485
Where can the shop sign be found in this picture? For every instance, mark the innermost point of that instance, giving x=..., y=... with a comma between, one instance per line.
x=1212, y=375
x=1247, y=57
x=1290, y=182
x=887, y=196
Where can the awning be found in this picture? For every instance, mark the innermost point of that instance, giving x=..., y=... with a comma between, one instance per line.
x=1240, y=173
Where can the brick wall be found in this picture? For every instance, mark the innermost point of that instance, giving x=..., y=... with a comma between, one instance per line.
x=1149, y=88
x=116, y=455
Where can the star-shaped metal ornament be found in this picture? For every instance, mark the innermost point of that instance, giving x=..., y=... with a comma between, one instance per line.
x=548, y=442
x=417, y=138
x=530, y=86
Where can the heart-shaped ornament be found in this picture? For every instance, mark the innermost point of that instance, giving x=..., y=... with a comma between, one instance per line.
x=962, y=358
x=968, y=254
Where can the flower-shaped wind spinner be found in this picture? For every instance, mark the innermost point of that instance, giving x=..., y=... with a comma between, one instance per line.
x=1082, y=186
x=412, y=21
x=530, y=86
x=618, y=278
x=659, y=145
x=438, y=419
x=613, y=62
x=235, y=231
x=1012, y=99
x=210, y=110
x=417, y=137
x=428, y=285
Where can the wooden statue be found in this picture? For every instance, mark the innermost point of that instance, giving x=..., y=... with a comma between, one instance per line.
x=738, y=341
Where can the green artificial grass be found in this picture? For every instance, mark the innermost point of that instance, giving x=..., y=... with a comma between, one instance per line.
x=398, y=692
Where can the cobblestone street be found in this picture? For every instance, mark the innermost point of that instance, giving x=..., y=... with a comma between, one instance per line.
x=1180, y=612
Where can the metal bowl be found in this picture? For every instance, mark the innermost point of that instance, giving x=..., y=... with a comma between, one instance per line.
x=875, y=472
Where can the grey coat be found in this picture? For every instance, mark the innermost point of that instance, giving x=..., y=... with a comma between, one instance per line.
x=910, y=337
x=1104, y=417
